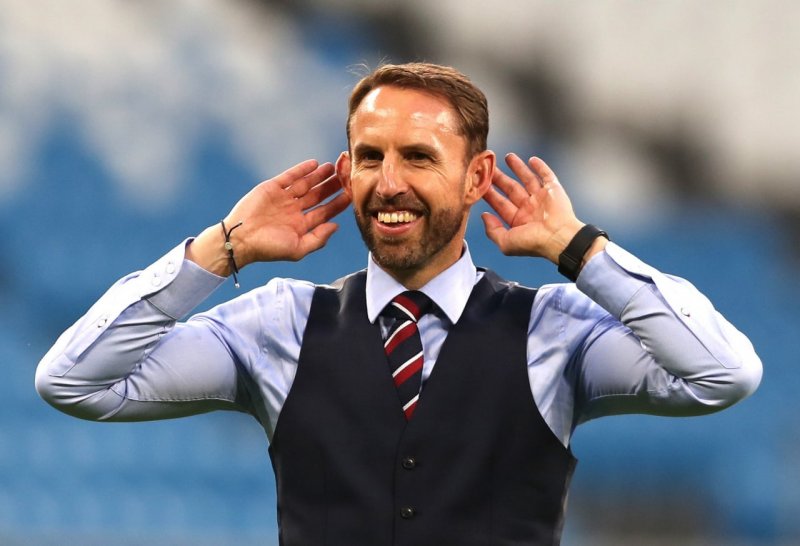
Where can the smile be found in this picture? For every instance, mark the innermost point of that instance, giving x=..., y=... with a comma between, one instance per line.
x=396, y=217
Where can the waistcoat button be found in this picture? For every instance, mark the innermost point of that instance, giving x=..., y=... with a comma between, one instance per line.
x=409, y=463
x=407, y=512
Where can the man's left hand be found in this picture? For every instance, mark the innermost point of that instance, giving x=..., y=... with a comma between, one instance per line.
x=535, y=213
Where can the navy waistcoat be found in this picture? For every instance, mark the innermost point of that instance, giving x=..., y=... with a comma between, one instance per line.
x=476, y=465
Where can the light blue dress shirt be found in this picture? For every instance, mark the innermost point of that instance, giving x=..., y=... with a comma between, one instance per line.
x=625, y=338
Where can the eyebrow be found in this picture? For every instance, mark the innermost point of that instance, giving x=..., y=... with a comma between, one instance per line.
x=422, y=148
x=361, y=149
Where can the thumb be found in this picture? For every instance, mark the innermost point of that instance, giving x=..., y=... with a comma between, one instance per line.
x=316, y=238
x=495, y=230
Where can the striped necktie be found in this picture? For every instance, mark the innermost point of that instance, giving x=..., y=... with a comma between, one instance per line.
x=403, y=346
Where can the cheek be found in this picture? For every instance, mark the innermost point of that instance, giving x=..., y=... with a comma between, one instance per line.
x=360, y=191
x=446, y=192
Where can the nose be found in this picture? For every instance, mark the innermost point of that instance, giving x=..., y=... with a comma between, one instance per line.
x=390, y=183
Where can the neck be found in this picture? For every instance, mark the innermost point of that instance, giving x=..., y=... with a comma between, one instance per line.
x=414, y=278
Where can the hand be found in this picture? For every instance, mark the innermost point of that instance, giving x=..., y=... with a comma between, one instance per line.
x=283, y=218
x=538, y=212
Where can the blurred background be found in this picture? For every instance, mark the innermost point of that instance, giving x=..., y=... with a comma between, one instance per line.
x=128, y=126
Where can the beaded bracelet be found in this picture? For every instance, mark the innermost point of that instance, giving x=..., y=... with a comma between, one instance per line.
x=229, y=247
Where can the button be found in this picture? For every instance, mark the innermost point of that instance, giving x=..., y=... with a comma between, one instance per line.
x=170, y=269
x=102, y=322
x=409, y=463
x=407, y=512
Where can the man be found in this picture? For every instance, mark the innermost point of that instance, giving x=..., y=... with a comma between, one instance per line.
x=464, y=440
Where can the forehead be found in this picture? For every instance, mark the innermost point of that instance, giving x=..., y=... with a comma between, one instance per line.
x=393, y=111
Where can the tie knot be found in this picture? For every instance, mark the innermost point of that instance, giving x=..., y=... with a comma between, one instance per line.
x=409, y=305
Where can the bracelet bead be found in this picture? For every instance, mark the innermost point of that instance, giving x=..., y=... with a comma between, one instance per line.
x=229, y=247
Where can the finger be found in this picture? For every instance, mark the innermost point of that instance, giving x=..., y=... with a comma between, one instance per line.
x=292, y=174
x=316, y=238
x=501, y=205
x=320, y=192
x=317, y=216
x=551, y=185
x=527, y=176
x=301, y=186
x=543, y=172
x=512, y=188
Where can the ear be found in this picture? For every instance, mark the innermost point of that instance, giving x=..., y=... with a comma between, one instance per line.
x=343, y=172
x=479, y=176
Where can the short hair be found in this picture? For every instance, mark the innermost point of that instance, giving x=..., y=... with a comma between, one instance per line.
x=446, y=82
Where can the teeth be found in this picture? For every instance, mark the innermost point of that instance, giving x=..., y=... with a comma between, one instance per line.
x=396, y=217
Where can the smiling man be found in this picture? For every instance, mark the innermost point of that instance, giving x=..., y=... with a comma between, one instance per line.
x=412, y=181
x=422, y=401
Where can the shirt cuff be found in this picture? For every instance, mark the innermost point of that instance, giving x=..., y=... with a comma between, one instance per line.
x=185, y=284
x=612, y=277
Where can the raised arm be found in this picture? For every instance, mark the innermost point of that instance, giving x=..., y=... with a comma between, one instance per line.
x=636, y=340
x=535, y=216
x=126, y=359
x=284, y=218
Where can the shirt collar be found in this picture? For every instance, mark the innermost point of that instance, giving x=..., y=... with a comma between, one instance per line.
x=449, y=290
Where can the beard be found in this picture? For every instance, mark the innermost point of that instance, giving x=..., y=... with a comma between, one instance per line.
x=401, y=253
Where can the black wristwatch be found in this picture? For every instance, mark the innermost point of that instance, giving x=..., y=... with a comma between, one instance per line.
x=569, y=261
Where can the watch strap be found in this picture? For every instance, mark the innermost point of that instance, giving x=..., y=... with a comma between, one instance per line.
x=569, y=261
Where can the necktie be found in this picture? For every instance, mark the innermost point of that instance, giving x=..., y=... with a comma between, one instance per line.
x=403, y=346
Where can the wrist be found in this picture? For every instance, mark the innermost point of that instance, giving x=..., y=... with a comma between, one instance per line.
x=208, y=251
x=560, y=240
x=588, y=241
x=598, y=246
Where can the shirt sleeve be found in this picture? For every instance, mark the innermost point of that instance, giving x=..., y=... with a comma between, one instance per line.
x=627, y=338
x=128, y=358
x=656, y=346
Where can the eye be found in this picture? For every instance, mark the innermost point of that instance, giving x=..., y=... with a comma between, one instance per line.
x=369, y=156
x=418, y=156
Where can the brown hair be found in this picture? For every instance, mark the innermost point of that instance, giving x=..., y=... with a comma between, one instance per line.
x=467, y=100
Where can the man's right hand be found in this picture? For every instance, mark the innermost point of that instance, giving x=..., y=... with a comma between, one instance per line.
x=282, y=219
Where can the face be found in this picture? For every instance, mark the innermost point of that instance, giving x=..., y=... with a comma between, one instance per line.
x=410, y=181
